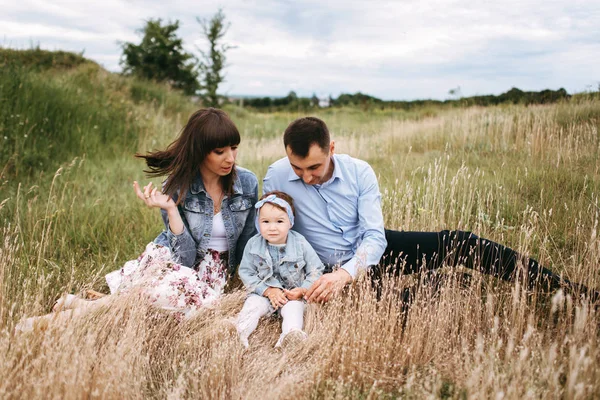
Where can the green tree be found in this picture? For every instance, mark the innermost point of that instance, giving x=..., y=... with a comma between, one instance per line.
x=161, y=57
x=212, y=62
x=314, y=100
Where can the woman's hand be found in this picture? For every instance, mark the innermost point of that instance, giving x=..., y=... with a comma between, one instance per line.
x=295, y=293
x=153, y=198
x=276, y=297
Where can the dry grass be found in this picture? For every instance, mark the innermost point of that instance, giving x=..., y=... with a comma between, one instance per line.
x=475, y=338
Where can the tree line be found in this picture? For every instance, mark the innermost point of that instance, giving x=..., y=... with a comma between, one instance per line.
x=513, y=96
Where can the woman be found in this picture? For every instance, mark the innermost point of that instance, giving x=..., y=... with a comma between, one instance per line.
x=207, y=205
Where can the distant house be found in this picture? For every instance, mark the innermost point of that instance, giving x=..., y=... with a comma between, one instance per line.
x=324, y=101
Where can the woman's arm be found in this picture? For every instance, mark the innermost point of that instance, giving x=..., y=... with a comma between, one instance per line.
x=177, y=236
x=182, y=246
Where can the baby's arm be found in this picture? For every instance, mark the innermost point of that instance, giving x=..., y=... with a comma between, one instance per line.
x=313, y=268
x=295, y=293
x=248, y=272
x=276, y=296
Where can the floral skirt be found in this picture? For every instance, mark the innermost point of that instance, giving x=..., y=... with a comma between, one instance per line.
x=171, y=286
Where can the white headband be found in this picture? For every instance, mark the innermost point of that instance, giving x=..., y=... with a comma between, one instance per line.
x=274, y=200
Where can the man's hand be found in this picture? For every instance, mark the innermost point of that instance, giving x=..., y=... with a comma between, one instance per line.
x=328, y=286
x=295, y=293
x=276, y=297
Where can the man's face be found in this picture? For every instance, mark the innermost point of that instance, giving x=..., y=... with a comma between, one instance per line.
x=316, y=167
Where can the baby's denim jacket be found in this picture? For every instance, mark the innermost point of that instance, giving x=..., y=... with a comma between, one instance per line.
x=300, y=265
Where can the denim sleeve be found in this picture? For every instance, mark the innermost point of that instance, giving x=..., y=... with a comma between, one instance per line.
x=314, y=267
x=249, y=226
x=182, y=246
x=370, y=220
x=249, y=274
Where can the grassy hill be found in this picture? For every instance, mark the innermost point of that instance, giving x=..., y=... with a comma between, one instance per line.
x=58, y=105
x=526, y=176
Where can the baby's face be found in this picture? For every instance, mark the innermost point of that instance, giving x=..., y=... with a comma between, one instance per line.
x=274, y=224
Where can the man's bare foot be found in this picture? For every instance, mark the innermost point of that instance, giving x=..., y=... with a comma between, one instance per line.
x=66, y=302
x=93, y=295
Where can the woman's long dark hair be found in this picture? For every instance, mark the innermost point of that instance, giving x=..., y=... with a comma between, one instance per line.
x=206, y=130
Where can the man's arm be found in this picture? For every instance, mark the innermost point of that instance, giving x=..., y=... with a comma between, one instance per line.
x=370, y=220
x=372, y=245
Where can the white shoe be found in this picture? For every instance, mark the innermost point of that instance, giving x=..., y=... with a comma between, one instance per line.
x=292, y=339
x=233, y=326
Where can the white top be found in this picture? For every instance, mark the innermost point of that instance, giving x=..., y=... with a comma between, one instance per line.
x=218, y=236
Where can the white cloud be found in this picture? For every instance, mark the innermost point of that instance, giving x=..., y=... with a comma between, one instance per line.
x=39, y=30
x=390, y=49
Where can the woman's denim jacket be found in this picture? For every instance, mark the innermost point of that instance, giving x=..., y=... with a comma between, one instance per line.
x=300, y=265
x=196, y=210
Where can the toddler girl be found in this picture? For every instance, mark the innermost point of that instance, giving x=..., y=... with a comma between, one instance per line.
x=277, y=268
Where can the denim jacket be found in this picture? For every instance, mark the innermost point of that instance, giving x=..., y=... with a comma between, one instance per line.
x=300, y=265
x=196, y=210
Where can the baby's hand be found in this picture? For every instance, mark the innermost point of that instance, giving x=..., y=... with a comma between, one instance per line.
x=276, y=297
x=295, y=293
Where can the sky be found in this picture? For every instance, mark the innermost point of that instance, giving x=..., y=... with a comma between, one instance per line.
x=393, y=50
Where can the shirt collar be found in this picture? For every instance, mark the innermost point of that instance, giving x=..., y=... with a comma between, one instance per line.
x=237, y=185
x=197, y=184
x=337, y=172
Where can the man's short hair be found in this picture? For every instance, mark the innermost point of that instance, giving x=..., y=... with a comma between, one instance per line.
x=301, y=134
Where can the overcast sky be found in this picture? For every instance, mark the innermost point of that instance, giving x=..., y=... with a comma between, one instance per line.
x=389, y=49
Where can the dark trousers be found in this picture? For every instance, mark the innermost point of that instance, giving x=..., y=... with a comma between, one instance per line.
x=410, y=252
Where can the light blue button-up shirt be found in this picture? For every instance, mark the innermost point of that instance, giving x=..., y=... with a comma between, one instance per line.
x=340, y=218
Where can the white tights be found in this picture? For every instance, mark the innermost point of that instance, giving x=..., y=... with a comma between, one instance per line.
x=257, y=306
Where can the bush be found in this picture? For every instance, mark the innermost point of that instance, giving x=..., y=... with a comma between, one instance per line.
x=40, y=59
x=46, y=120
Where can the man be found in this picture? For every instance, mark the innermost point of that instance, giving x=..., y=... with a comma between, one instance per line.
x=338, y=206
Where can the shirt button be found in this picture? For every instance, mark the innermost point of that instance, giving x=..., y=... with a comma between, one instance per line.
x=282, y=250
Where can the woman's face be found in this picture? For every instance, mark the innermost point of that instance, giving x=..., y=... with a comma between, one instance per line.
x=219, y=162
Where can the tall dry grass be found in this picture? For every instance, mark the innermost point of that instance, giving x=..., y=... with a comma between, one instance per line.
x=524, y=176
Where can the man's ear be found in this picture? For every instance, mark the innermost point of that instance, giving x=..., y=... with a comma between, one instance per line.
x=331, y=147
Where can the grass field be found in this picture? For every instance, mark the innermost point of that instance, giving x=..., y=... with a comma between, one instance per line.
x=524, y=176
